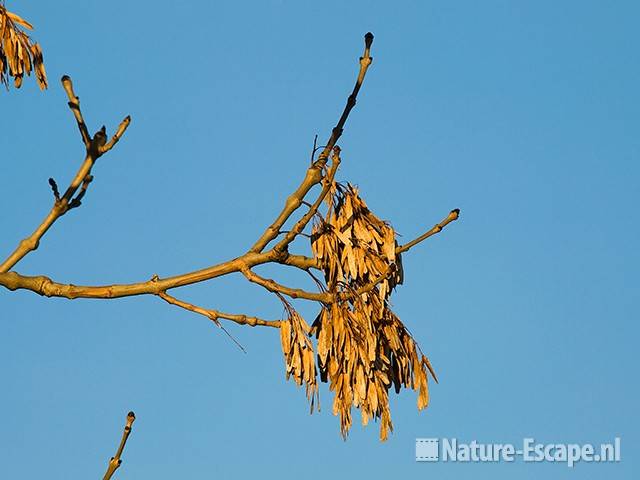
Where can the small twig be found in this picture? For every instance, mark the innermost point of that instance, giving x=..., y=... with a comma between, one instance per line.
x=453, y=216
x=214, y=315
x=319, y=284
x=289, y=231
x=116, y=136
x=313, y=150
x=275, y=287
x=365, y=61
x=314, y=173
x=74, y=105
x=77, y=201
x=116, y=460
x=369, y=286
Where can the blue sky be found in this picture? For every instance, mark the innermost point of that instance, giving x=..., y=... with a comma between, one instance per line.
x=522, y=114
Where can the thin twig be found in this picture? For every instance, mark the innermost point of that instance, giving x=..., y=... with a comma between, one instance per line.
x=453, y=216
x=214, y=315
x=74, y=105
x=365, y=61
x=275, y=287
x=313, y=150
x=116, y=136
x=116, y=460
x=300, y=234
x=314, y=173
x=77, y=201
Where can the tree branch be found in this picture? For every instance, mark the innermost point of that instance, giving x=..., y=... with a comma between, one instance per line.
x=275, y=287
x=98, y=145
x=95, y=148
x=365, y=61
x=116, y=460
x=299, y=261
x=45, y=286
x=74, y=105
x=453, y=216
x=116, y=136
x=314, y=173
x=214, y=315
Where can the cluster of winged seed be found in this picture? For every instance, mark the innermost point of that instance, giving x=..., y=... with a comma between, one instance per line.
x=299, y=355
x=18, y=55
x=362, y=346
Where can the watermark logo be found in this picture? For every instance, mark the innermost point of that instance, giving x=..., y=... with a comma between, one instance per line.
x=452, y=450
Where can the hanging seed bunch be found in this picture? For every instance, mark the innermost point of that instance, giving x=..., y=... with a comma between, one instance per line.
x=363, y=347
x=299, y=355
x=18, y=55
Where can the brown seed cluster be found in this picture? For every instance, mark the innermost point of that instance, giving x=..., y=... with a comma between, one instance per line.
x=298, y=352
x=363, y=349
x=18, y=55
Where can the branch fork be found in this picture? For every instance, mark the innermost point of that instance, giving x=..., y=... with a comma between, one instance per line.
x=95, y=147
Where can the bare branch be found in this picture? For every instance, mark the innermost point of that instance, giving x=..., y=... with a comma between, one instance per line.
x=47, y=287
x=275, y=287
x=314, y=173
x=362, y=246
x=74, y=105
x=365, y=61
x=214, y=315
x=116, y=460
x=95, y=146
x=453, y=216
x=116, y=136
x=314, y=149
x=77, y=201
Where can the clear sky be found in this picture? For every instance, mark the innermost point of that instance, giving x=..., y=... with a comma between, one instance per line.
x=522, y=114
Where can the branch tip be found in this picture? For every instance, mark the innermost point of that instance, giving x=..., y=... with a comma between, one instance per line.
x=368, y=39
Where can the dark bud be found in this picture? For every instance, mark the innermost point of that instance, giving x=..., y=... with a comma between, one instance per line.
x=99, y=139
x=368, y=39
x=54, y=188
